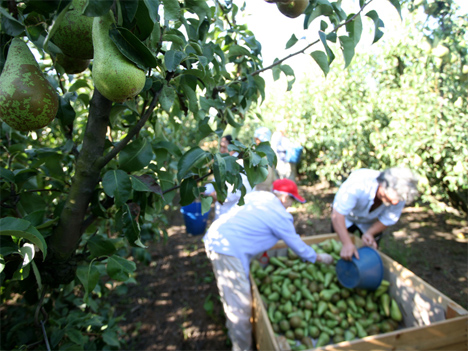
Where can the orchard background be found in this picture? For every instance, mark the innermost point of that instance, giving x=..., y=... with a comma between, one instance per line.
x=90, y=197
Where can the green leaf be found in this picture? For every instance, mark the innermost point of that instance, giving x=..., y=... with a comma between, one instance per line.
x=131, y=228
x=236, y=50
x=153, y=7
x=111, y=338
x=322, y=61
x=396, y=4
x=323, y=38
x=293, y=40
x=145, y=183
x=192, y=98
x=118, y=268
x=171, y=10
x=187, y=195
x=174, y=38
x=378, y=23
x=347, y=45
x=21, y=228
x=132, y=48
x=98, y=8
x=99, y=246
x=89, y=277
x=167, y=97
x=7, y=175
x=117, y=184
x=264, y=149
x=354, y=28
x=287, y=70
x=206, y=204
x=10, y=25
x=136, y=155
x=172, y=59
x=219, y=170
x=75, y=336
x=231, y=120
x=194, y=158
x=255, y=174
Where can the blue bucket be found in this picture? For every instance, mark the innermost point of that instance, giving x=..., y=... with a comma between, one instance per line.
x=365, y=273
x=195, y=221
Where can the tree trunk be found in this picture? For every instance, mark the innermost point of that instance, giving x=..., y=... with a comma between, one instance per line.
x=67, y=234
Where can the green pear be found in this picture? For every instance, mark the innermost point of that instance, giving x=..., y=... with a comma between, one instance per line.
x=115, y=76
x=74, y=33
x=27, y=100
x=72, y=65
x=293, y=8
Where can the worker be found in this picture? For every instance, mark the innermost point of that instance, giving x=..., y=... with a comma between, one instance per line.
x=368, y=202
x=245, y=232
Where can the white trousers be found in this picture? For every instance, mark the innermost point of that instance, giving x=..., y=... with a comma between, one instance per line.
x=286, y=170
x=234, y=290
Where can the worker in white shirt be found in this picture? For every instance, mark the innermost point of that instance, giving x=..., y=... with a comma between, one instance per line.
x=368, y=202
x=232, y=197
x=247, y=231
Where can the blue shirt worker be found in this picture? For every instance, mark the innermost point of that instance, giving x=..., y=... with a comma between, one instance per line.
x=369, y=201
x=245, y=232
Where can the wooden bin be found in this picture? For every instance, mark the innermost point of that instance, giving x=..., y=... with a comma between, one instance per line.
x=431, y=320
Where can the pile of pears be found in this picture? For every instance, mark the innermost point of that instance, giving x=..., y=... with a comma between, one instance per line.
x=27, y=99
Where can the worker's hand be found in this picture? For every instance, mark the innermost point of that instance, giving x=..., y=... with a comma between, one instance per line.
x=348, y=251
x=369, y=240
x=324, y=258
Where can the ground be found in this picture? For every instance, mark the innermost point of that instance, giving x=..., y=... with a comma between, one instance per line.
x=175, y=304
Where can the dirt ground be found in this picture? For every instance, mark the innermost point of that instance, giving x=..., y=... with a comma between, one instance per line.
x=175, y=305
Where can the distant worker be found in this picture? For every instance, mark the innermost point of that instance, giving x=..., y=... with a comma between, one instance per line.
x=237, y=237
x=232, y=197
x=369, y=201
x=280, y=143
x=263, y=134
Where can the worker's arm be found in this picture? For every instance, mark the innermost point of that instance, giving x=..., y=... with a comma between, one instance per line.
x=339, y=224
x=368, y=238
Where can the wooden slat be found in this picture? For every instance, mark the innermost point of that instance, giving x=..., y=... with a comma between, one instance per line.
x=439, y=336
x=263, y=332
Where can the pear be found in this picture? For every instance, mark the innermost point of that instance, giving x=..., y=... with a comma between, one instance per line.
x=293, y=8
x=27, y=100
x=115, y=76
x=72, y=65
x=74, y=33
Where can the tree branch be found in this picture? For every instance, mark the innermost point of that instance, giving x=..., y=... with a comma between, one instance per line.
x=124, y=142
x=67, y=234
x=302, y=51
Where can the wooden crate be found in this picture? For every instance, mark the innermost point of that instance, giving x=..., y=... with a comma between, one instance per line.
x=431, y=320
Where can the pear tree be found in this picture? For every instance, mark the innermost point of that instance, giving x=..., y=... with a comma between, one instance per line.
x=83, y=191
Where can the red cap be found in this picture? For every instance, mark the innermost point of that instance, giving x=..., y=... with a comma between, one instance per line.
x=288, y=186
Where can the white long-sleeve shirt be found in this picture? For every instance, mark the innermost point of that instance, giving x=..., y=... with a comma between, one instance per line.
x=249, y=230
x=356, y=196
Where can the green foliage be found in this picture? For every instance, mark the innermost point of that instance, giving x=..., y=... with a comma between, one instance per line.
x=399, y=106
x=89, y=190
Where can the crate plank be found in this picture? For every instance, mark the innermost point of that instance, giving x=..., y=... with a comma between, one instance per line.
x=263, y=332
x=449, y=335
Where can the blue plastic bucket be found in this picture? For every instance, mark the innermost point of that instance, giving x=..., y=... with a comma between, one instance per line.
x=195, y=221
x=293, y=154
x=365, y=273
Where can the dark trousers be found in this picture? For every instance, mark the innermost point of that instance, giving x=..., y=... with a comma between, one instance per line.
x=353, y=228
